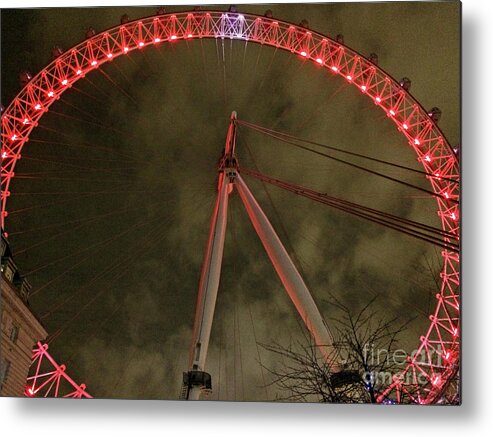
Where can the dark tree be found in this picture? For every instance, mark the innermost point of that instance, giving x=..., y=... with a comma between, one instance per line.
x=364, y=359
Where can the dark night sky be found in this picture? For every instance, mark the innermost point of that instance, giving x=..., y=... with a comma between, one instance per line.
x=130, y=254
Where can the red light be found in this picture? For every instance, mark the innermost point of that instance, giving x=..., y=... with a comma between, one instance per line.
x=455, y=331
x=392, y=112
x=190, y=35
x=405, y=126
x=50, y=93
x=436, y=380
x=93, y=63
x=417, y=142
x=4, y=155
x=25, y=121
x=349, y=77
x=13, y=137
x=64, y=82
x=446, y=195
x=447, y=355
x=109, y=55
x=173, y=37
x=156, y=40
x=78, y=72
x=141, y=44
x=378, y=99
x=320, y=61
x=427, y=158
x=453, y=216
x=363, y=87
x=303, y=54
x=37, y=106
x=334, y=68
x=125, y=49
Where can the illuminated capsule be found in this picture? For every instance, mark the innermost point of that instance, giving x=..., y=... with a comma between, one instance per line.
x=340, y=38
x=435, y=114
x=124, y=19
x=268, y=13
x=233, y=9
x=304, y=24
x=373, y=58
x=405, y=83
x=24, y=77
x=160, y=11
x=56, y=51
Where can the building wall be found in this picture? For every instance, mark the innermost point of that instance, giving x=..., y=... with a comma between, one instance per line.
x=16, y=348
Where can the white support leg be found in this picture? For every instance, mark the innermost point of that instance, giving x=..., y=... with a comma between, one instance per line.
x=209, y=283
x=287, y=272
x=211, y=271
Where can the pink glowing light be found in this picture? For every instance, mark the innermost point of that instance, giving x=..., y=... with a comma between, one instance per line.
x=156, y=40
x=125, y=49
x=94, y=63
x=64, y=82
x=378, y=99
x=37, y=106
x=453, y=216
x=405, y=126
x=13, y=137
x=363, y=87
x=141, y=43
x=320, y=61
x=392, y=112
x=4, y=155
x=25, y=121
x=349, y=77
x=190, y=35
x=304, y=54
x=417, y=142
x=109, y=55
x=78, y=72
x=427, y=158
x=334, y=68
x=50, y=93
x=173, y=37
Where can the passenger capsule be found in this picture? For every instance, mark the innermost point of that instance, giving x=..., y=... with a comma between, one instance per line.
x=268, y=13
x=435, y=114
x=90, y=33
x=233, y=9
x=373, y=58
x=56, y=51
x=124, y=19
x=405, y=83
x=304, y=24
x=24, y=77
x=340, y=38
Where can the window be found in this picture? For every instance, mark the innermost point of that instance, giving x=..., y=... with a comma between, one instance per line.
x=4, y=372
x=14, y=333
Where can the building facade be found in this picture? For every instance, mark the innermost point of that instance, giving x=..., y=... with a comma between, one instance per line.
x=21, y=329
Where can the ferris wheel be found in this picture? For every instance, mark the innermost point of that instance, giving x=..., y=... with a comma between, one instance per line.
x=422, y=379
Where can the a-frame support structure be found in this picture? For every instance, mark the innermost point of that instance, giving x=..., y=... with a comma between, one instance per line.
x=197, y=380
